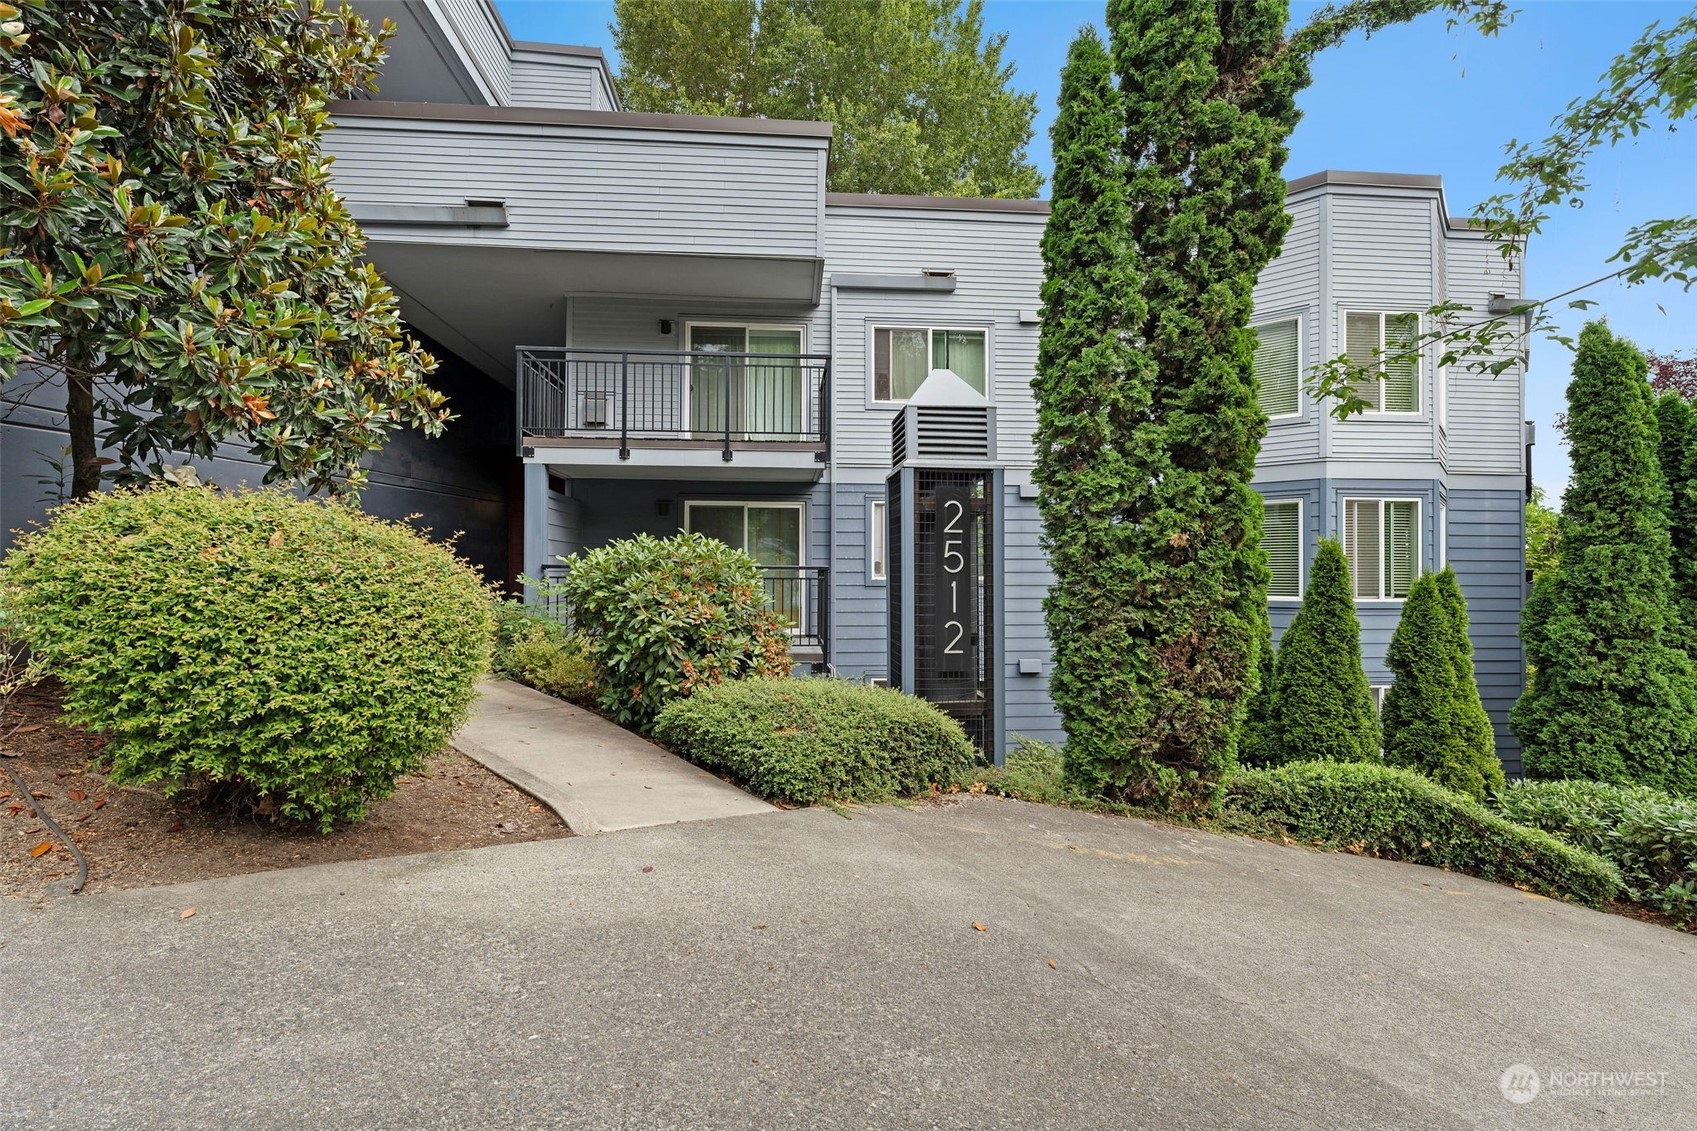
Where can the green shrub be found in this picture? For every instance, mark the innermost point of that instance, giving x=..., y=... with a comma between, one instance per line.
x=298, y=656
x=1321, y=706
x=663, y=617
x=805, y=740
x=1649, y=835
x=1032, y=771
x=516, y=621
x=556, y=664
x=1400, y=815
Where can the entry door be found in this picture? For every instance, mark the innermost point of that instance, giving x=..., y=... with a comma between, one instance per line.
x=770, y=533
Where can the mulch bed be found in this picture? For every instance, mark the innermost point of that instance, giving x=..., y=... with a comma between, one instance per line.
x=135, y=837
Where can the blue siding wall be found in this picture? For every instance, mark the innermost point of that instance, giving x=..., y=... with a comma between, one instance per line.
x=1487, y=549
x=1026, y=579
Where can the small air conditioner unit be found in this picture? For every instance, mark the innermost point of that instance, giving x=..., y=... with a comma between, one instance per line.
x=597, y=408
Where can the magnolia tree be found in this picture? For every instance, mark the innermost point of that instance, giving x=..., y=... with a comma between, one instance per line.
x=171, y=251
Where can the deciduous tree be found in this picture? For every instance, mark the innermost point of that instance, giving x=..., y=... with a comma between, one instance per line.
x=918, y=93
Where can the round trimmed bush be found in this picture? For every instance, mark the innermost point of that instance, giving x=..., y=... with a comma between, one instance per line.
x=663, y=617
x=297, y=656
x=805, y=740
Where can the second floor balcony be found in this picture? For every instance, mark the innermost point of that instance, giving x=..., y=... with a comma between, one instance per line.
x=758, y=414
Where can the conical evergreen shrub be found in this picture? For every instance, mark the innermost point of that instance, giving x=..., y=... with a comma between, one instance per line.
x=1613, y=697
x=1481, y=736
x=1323, y=706
x=1433, y=720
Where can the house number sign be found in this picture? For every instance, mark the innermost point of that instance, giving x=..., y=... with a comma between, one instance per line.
x=956, y=582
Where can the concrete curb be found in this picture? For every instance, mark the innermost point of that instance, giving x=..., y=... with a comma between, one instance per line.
x=575, y=816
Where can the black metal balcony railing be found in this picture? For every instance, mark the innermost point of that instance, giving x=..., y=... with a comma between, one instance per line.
x=799, y=594
x=729, y=399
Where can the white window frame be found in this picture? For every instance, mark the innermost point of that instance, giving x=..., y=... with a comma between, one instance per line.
x=1377, y=692
x=1443, y=534
x=1301, y=406
x=807, y=396
x=877, y=529
x=1419, y=412
x=1384, y=533
x=1301, y=565
x=930, y=329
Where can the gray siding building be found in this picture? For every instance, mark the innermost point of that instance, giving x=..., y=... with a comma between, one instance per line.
x=657, y=322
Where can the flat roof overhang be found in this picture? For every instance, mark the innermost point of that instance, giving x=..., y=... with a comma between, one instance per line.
x=483, y=301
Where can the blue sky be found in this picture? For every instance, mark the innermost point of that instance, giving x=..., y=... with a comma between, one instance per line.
x=1415, y=99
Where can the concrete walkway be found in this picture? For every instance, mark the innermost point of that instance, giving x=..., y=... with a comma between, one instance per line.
x=596, y=776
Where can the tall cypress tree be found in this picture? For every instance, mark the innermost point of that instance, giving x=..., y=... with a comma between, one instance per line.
x=1322, y=706
x=1259, y=744
x=1162, y=548
x=1613, y=696
x=1676, y=425
x=1094, y=391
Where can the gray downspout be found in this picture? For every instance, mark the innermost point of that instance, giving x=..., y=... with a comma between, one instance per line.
x=832, y=572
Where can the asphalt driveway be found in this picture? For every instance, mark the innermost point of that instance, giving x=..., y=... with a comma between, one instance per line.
x=802, y=970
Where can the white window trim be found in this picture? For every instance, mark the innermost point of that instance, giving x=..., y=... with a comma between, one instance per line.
x=721, y=324
x=1443, y=534
x=1384, y=528
x=877, y=514
x=1377, y=692
x=1301, y=353
x=872, y=329
x=1301, y=564
x=1419, y=412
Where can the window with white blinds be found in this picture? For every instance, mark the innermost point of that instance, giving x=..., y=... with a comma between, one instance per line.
x=1381, y=538
x=1381, y=342
x=1281, y=538
x=1277, y=368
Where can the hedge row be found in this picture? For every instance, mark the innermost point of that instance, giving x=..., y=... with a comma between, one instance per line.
x=1400, y=815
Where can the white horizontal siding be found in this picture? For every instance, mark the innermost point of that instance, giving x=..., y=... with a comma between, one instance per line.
x=586, y=188
x=998, y=272
x=1290, y=288
x=478, y=33
x=1485, y=413
x=561, y=82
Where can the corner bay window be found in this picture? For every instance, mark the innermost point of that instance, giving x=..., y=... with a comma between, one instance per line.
x=1281, y=538
x=1277, y=368
x=1381, y=538
x=1372, y=340
x=903, y=356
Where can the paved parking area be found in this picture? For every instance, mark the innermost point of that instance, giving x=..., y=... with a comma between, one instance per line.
x=802, y=970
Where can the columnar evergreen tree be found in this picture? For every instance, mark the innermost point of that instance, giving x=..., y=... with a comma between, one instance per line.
x=1432, y=718
x=1322, y=706
x=1481, y=737
x=1613, y=696
x=1094, y=388
x=1169, y=563
x=1676, y=425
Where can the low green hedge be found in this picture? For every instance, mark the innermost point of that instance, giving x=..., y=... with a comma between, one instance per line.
x=805, y=740
x=1400, y=815
x=1649, y=835
x=538, y=651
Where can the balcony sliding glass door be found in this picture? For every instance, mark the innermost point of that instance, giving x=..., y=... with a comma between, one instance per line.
x=770, y=533
x=755, y=398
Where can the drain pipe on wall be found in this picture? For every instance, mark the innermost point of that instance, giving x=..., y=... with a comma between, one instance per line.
x=831, y=481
